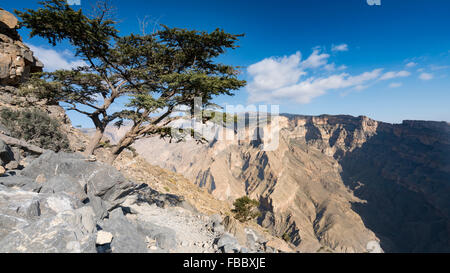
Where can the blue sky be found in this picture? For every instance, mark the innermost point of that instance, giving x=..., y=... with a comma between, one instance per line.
x=389, y=62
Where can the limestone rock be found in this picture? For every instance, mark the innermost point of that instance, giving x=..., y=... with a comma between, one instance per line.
x=165, y=237
x=16, y=59
x=7, y=19
x=127, y=239
x=333, y=183
x=103, y=237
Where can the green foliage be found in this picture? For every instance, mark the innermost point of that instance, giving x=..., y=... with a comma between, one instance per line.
x=245, y=209
x=157, y=72
x=220, y=117
x=105, y=144
x=36, y=127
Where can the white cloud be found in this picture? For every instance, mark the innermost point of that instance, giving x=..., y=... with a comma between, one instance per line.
x=315, y=60
x=54, y=60
x=277, y=79
x=439, y=67
x=280, y=78
x=360, y=87
x=425, y=76
x=395, y=74
x=305, y=91
x=411, y=64
x=395, y=84
x=330, y=67
x=272, y=73
x=341, y=47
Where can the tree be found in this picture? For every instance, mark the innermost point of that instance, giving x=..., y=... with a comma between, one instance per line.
x=156, y=72
x=245, y=209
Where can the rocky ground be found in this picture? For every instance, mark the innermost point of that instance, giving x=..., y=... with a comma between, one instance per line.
x=61, y=202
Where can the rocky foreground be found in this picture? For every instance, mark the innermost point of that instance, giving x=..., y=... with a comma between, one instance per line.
x=61, y=202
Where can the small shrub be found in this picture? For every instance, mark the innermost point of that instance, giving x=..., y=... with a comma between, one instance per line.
x=286, y=237
x=36, y=127
x=104, y=144
x=245, y=209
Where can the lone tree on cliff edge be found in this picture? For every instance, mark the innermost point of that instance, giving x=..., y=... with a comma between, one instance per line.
x=156, y=72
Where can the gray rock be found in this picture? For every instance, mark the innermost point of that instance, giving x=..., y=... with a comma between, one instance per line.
x=58, y=202
x=165, y=237
x=15, y=181
x=10, y=223
x=67, y=184
x=226, y=239
x=87, y=218
x=126, y=237
x=227, y=243
x=6, y=155
x=243, y=250
x=52, y=164
x=98, y=179
x=61, y=233
x=99, y=206
x=21, y=205
x=219, y=229
x=216, y=219
x=230, y=249
x=162, y=200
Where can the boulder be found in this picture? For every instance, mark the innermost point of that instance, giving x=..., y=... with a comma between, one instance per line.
x=96, y=179
x=44, y=222
x=103, y=237
x=62, y=233
x=7, y=19
x=65, y=184
x=6, y=154
x=165, y=237
x=126, y=237
x=227, y=243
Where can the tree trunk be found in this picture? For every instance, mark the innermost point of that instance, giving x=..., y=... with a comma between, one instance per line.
x=123, y=143
x=94, y=141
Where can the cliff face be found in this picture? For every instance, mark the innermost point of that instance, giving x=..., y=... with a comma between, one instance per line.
x=17, y=62
x=337, y=183
x=16, y=59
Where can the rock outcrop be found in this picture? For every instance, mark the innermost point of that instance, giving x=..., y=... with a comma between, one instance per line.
x=16, y=59
x=17, y=62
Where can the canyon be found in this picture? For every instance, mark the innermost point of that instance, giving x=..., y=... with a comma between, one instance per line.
x=334, y=183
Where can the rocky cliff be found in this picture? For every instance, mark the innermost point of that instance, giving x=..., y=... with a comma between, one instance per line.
x=335, y=183
x=16, y=59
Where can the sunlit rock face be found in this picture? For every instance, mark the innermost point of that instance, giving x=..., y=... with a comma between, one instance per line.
x=16, y=59
x=334, y=183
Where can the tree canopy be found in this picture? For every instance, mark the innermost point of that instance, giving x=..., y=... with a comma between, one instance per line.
x=157, y=72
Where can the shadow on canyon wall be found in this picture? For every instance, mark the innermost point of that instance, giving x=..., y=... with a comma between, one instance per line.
x=403, y=172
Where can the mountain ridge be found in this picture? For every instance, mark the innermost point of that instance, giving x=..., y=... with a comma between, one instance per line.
x=329, y=147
